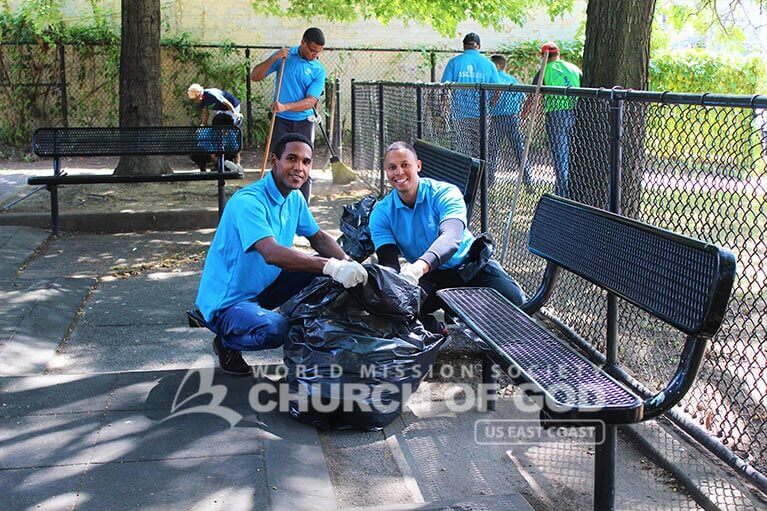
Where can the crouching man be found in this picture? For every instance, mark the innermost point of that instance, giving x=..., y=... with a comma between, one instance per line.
x=251, y=267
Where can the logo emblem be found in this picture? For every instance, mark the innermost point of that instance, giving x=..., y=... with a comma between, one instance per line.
x=217, y=394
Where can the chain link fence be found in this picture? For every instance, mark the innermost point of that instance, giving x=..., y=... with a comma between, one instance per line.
x=693, y=164
x=78, y=85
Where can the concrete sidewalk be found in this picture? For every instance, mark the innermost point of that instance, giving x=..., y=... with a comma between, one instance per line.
x=101, y=384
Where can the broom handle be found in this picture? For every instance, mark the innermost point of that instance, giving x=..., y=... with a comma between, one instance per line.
x=274, y=118
x=523, y=160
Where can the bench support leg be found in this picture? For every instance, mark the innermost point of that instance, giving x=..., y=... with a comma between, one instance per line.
x=54, y=190
x=490, y=383
x=604, y=468
x=221, y=196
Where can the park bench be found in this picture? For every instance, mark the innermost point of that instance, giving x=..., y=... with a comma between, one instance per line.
x=437, y=163
x=681, y=281
x=151, y=140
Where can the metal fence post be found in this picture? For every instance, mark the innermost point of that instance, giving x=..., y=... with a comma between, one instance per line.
x=354, y=124
x=63, y=86
x=419, y=111
x=433, y=65
x=604, y=453
x=248, y=104
x=381, y=133
x=483, y=156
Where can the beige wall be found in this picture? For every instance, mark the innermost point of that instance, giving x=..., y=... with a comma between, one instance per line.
x=235, y=20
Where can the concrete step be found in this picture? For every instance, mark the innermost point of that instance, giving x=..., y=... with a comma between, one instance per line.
x=17, y=245
x=36, y=320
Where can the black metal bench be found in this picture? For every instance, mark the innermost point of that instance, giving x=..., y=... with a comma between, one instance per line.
x=683, y=282
x=452, y=167
x=152, y=140
x=436, y=163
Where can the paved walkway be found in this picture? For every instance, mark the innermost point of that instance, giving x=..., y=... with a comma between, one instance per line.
x=108, y=400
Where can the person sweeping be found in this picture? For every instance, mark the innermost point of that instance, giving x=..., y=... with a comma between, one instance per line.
x=302, y=84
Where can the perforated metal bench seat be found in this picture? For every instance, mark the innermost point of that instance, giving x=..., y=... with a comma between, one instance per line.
x=571, y=386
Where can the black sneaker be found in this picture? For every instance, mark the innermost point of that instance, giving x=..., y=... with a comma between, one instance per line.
x=230, y=361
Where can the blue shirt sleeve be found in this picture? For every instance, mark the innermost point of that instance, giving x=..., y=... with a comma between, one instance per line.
x=380, y=228
x=449, y=203
x=317, y=87
x=307, y=225
x=274, y=66
x=250, y=220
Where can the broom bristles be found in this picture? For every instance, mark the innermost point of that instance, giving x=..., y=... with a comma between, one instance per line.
x=342, y=175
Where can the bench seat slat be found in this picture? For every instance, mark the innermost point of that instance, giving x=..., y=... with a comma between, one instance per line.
x=565, y=376
x=82, y=179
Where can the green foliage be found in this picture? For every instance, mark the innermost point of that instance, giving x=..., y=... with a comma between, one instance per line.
x=523, y=59
x=442, y=15
x=711, y=132
x=700, y=19
x=701, y=71
x=92, y=63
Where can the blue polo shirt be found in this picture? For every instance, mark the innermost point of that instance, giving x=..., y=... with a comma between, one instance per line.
x=509, y=103
x=468, y=67
x=414, y=230
x=302, y=78
x=212, y=100
x=234, y=271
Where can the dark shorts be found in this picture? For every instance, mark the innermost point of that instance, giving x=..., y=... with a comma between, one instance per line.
x=283, y=127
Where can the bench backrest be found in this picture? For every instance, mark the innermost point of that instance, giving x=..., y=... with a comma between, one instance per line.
x=150, y=140
x=452, y=167
x=682, y=281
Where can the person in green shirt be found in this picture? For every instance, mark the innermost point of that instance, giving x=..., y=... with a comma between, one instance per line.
x=560, y=112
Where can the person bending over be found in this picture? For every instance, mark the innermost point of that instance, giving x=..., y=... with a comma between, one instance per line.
x=424, y=221
x=251, y=267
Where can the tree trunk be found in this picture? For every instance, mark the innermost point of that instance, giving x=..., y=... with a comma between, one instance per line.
x=140, y=86
x=616, y=52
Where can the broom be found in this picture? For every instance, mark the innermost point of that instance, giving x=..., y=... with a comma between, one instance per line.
x=274, y=118
x=523, y=159
x=342, y=175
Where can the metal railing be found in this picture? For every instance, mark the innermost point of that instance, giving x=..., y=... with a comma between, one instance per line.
x=690, y=163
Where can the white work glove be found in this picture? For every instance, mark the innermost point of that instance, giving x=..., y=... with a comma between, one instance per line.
x=411, y=272
x=348, y=273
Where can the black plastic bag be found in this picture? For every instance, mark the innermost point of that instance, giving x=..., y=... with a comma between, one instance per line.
x=359, y=352
x=355, y=233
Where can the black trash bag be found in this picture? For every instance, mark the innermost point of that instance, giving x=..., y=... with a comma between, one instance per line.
x=366, y=340
x=355, y=233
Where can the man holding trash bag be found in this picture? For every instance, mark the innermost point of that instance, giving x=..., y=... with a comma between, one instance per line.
x=424, y=221
x=251, y=267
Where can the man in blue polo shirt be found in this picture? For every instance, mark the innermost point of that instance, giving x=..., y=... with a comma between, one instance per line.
x=425, y=222
x=468, y=67
x=504, y=138
x=303, y=82
x=251, y=267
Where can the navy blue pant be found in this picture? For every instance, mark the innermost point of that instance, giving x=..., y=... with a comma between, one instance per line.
x=558, y=126
x=253, y=325
x=505, y=140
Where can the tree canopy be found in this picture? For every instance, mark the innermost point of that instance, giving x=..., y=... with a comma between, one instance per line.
x=442, y=15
